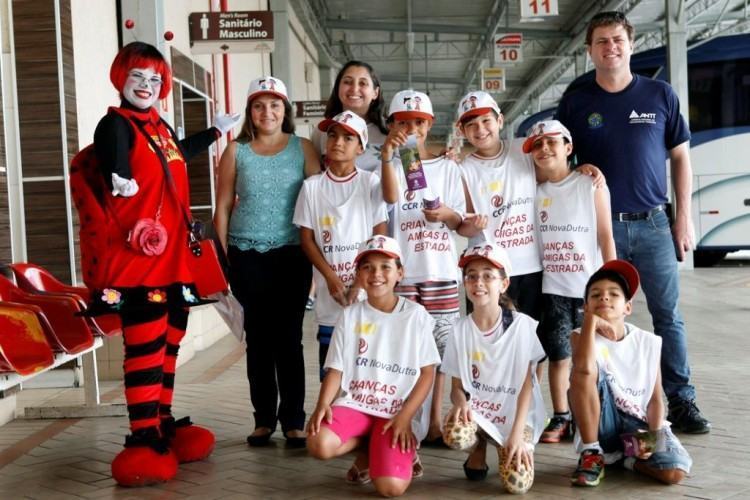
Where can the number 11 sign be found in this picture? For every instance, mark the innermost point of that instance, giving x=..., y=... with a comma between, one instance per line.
x=538, y=8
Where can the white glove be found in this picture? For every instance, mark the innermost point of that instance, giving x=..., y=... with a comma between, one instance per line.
x=123, y=187
x=225, y=123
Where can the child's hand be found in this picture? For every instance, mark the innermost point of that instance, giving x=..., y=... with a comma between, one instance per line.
x=604, y=328
x=337, y=289
x=352, y=294
x=453, y=155
x=460, y=413
x=596, y=175
x=518, y=453
x=440, y=214
x=402, y=433
x=477, y=222
x=394, y=140
x=320, y=412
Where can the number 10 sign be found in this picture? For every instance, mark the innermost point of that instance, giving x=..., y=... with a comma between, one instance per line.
x=493, y=80
x=538, y=8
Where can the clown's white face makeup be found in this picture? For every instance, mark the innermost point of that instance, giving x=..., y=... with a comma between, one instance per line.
x=142, y=87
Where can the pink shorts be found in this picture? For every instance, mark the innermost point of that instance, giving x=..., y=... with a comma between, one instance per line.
x=384, y=460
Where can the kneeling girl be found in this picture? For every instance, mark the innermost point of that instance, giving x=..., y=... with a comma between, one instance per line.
x=382, y=360
x=491, y=358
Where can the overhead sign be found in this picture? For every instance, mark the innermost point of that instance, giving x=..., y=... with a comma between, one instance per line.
x=224, y=32
x=508, y=48
x=538, y=8
x=310, y=109
x=493, y=80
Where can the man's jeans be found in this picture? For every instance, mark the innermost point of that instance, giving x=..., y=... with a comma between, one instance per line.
x=648, y=245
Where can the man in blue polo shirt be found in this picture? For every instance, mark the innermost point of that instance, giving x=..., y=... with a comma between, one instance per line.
x=628, y=125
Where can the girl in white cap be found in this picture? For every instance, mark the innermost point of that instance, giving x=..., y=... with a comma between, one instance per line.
x=425, y=234
x=264, y=168
x=491, y=358
x=380, y=369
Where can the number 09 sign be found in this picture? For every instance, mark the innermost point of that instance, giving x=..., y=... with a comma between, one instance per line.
x=493, y=80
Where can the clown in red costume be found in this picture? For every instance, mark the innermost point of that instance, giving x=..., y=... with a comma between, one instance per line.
x=136, y=258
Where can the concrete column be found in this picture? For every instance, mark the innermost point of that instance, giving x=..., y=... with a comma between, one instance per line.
x=149, y=23
x=281, y=55
x=677, y=69
x=677, y=51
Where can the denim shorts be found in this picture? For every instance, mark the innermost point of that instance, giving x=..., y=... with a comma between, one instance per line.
x=613, y=422
x=561, y=316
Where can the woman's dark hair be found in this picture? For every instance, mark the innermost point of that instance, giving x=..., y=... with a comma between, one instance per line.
x=375, y=114
x=247, y=133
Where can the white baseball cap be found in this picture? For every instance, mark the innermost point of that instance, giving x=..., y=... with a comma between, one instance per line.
x=350, y=121
x=475, y=104
x=379, y=244
x=267, y=85
x=409, y=104
x=545, y=128
x=493, y=253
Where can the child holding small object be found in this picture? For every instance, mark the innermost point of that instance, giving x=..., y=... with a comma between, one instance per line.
x=429, y=206
x=491, y=358
x=619, y=410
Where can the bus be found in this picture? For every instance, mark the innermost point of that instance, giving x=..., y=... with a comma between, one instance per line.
x=719, y=110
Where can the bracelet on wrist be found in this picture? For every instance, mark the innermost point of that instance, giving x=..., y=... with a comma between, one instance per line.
x=388, y=160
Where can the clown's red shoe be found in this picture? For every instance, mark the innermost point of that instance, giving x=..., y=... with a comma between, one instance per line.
x=145, y=460
x=189, y=442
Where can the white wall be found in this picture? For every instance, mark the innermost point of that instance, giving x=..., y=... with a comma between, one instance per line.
x=94, y=48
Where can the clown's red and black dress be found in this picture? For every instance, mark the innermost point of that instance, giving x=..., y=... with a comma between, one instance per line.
x=150, y=293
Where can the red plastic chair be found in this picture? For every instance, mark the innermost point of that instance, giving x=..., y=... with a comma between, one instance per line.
x=34, y=279
x=23, y=342
x=69, y=333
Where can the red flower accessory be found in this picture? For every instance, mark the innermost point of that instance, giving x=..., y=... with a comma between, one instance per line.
x=149, y=236
x=157, y=296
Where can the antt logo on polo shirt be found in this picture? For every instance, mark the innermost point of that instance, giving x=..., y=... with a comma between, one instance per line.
x=636, y=117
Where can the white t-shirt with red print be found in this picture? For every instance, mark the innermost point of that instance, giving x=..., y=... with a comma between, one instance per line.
x=492, y=369
x=381, y=356
x=504, y=189
x=341, y=212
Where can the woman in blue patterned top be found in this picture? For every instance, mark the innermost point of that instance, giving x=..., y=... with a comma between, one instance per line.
x=260, y=175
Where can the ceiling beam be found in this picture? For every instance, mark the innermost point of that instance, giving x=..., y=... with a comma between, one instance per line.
x=493, y=22
x=548, y=72
x=311, y=23
x=449, y=80
x=402, y=27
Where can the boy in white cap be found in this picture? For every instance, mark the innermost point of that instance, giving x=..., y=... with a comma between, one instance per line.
x=425, y=234
x=335, y=211
x=500, y=186
x=380, y=369
x=491, y=358
x=575, y=234
x=615, y=386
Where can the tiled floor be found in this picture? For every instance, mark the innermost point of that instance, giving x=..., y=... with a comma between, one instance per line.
x=70, y=458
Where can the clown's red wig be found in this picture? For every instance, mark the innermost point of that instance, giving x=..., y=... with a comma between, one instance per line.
x=140, y=55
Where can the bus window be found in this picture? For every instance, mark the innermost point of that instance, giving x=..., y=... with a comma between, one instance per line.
x=719, y=94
